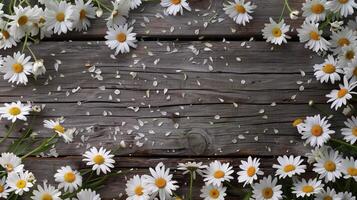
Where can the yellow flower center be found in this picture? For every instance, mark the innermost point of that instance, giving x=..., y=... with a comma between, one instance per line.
x=214, y=193
x=289, y=168
x=240, y=9
x=267, y=192
x=308, y=189
x=5, y=34
x=317, y=8
x=330, y=166
x=14, y=111
x=316, y=130
x=98, y=159
x=17, y=68
x=342, y=92
x=22, y=20
x=352, y=171
x=176, y=2
x=354, y=131
x=327, y=198
x=69, y=177
x=251, y=171
x=139, y=190
x=9, y=167
x=343, y=1
x=276, y=32
x=160, y=182
x=314, y=35
x=60, y=16
x=350, y=55
x=82, y=14
x=121, y=37
x=46, y=196
x=2, y=188
x=21, y=184
x=59, y=128
x=219, y=174
x=328, y=68
x=343, y=42
x=296, y=122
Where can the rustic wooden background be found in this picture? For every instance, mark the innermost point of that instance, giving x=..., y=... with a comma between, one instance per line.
x=174, y=105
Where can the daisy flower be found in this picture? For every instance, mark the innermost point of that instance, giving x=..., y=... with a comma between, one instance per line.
x=175, y=6
x=11, y=163
x=15, y=111
x=329, y=166
x=7, y=38
x=47, y=192
x=20, y=182
x=349, y=168
x=346, y=196
x=192, y=167
x=160, y=182
x=88, y=194
x=216, y=173
x=314, y=10
x=340, y=97
x=352, y=24
x=101, y=160
x=327, y=194
x=68, y=179
x=305, y=188
x=275, y=33
x=120, y=11
x=211, y=192
x=22, y=21
x=298, y=124
x=347, y=55
x=351, y=71
x=16, y=68
x=289, y=166
x=59, y=17
x=4, y=188
x=135, y=4
x=267, y=189
x=82, y=13
x=240, y=11
x=350, y=132
x=316, y=131
x=328, y=71
x=121, y=38
x=316, y=153
x=250, y=171
x=137, y=189
x=310, y=33
x=344, y=7
x=342, y=38
x=66, y=134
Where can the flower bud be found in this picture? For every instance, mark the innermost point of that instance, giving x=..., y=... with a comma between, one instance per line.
x=38, y=68
x=99, y=12
x=294, y=14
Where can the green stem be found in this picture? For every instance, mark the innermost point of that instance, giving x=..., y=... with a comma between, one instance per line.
x=191, y=185
x=286, y=2
x=44, y=143
x=33, y=55
x=8, y=133
x=25, y=43
x=100, y=5
x=282, y=13
x=344, y=143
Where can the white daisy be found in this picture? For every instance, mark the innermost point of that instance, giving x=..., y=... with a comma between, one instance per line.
x=22, y=21
x=240, y=11
x=328, y=71
x=7, y=38
x=307, y=188
x=316, y=131
x=346, y=196
x=59, y=17
x=329, y=166
x=121, y=38
x=160, y=182
x=250, y=171
x=314, y=10
x=66, y=134
x=137, y=189
x=4, y=188
x=68, y=179
x=175, y=6
x=88, y=194
x=328, y=194
x=101, y=159
x=347, y=55
x=275, y=33
x=211, y=192
x=15, y=111
x=267, y=189
x=82, y=13
x=350, y=132
x=11, y=163
x=352, y=24
x=351, y=71
x=340, y=97
x=289, y=166
x=20, y=182
x=192, y=167
x=47, y=192
x=216, y=173
x=16, y=68
x=135, y=4
x=120, y=12
x=344, y=7
x=349, y=168
x=310, y=33
x=342, y=38
x=317, y=153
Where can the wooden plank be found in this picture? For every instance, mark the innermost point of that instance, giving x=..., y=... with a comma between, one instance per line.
x=192, y=24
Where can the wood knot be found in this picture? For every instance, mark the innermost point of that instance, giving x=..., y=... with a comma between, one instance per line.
x=198, y=141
